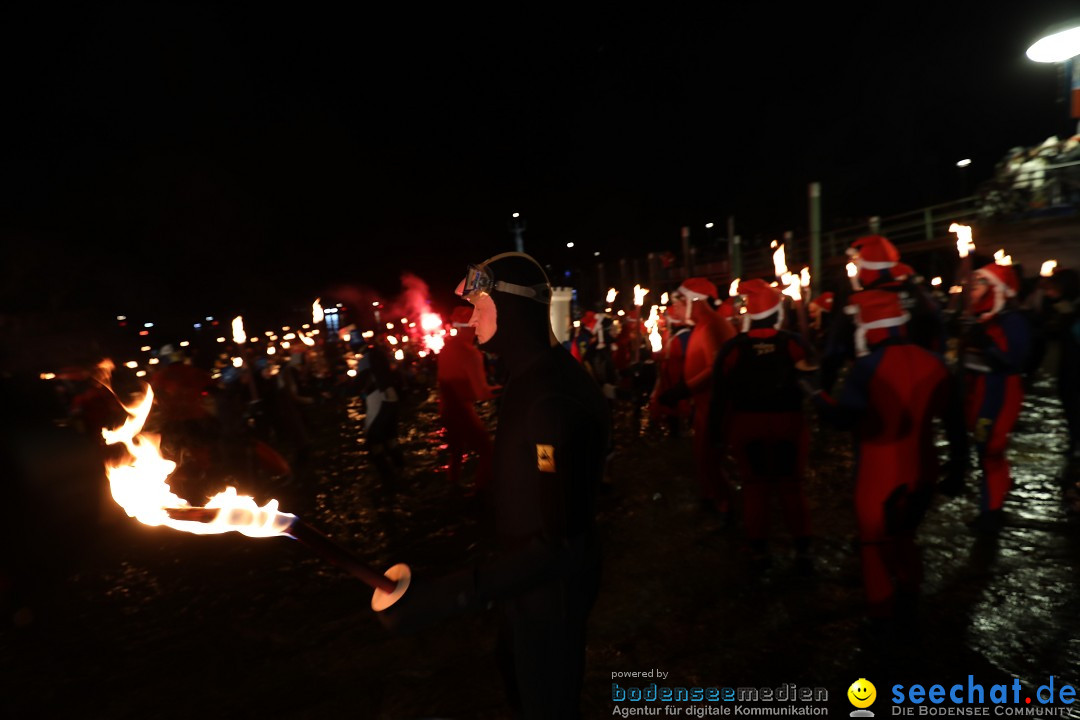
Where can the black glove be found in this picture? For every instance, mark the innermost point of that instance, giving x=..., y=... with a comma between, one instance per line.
x=674, y=395
x=952, y=484
x=429, y=601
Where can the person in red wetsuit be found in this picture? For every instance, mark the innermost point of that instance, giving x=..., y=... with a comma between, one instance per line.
x=889, y=399
x=462, y=383
x=995, y=346
x=756, y=396
x=671, y=360
x=709, y=333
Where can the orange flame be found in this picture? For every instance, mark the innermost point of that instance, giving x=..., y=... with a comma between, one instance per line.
x=139, y=484
x=964, y=244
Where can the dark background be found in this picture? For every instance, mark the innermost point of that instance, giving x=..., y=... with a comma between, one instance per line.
x=201, y=158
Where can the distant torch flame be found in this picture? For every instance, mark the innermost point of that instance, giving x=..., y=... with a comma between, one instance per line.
x=852, y=270
x=788, y=280
x=664, y=299
x=639, y=295
x=139, y=484
x=316, y=312
x=434, y=333
x=733, y=289
x=399, y=355
x=1048, y=268
x=652, y=324
x=936, y=281
x=964, y=244
x=611, y=293
x=804, y=277
x=238, y=335
x=779, y=260
x=1001, y=258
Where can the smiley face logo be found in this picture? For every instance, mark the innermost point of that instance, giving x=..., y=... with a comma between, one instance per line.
x=862, y=693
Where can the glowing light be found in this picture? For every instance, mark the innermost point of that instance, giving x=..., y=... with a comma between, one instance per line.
x=652, y=324
x=453, y=332
x=1001, y=258
x=936, y=282
x=963, y=163
x=237, y=362
x=423, y=353
x=1048, y=267
x=611, y=293
x=121, y=318
x=621, y=313
x=852, y=270
x=289, y=336
x=375, y=304
x=347, y=337
x=1057, y=47
x=804, y=277
x=515, y=215
x=317, y=314
x=368, y=335
x=404, y=338
x=221, y=339
x=399, y=354
x=956, y=289
x=153, y=361
x=308, y=341
x=964, y=244
x=131, y=364
x=664, y=299
x=430, y=322
x=708, y=226
x=389, y=326
x=639, y=295
x=144, y=348
x=391, y=339
x=285, y=345
x=351, y=373
x=184, y=343
x=48, y=376
x=271, y=350
x=569, y=244
x=141, y=373
x=148, y=325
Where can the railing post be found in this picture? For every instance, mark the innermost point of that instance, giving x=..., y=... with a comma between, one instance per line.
x=928, y=221
x=815, y=238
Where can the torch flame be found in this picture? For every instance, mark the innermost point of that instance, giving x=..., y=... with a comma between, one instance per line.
x=852, y=269
x=1001, y=258
x=664, y=299
x=611, y=293
x=804, y=277
x=434, y=332
x=1048, y=267
x=652, y=324
x=733, y=289
x=316, y=312
x=238, y=335
x=779, y=260
x=639, y=295
x=139, y=484
x=936, y=281
x=964, y=244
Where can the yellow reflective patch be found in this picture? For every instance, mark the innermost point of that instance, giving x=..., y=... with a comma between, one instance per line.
x=545, y=458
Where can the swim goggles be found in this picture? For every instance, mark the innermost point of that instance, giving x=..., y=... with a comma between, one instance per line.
x=479, y=280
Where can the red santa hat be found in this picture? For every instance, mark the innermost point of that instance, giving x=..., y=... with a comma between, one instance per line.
x=824, y=301
x=697, y=288
x=874, y=252
x=874, y=310
x=1002, y=280
x=761, y=301
x=461, y=316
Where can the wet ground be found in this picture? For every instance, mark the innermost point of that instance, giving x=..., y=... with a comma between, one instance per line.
x=126, y=621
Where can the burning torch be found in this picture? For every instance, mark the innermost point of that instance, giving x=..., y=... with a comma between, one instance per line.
x=139, y=484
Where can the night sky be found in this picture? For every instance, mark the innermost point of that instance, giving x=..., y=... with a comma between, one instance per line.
x=227, y=158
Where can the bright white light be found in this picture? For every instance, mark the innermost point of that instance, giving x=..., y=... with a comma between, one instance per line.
x=1057, y=47
x=664, y=299
x=368, y=335
x=936, y=281
x=1047, y=269
x=221, y=339
x=375, y=304
x=964, y=243
x=596, y=254
x=621, y=313
x=708, y=226
x=289, y=336
x=399, y=355
x=351, y=373
x=131, y=364
x=577, y=323
x=148, y=325
x=237, y=362
x=389, y=326
x=184, y=343
x=271, y=350
x=144, y=348
x=121, y=317
x=48, y=376
x=209, y=319
x=1001, y=258
x=286, y=345
x=515, y=214
x=153, y=361
x=852, y=271
x=198, y=326
x=347, y=337
x=141, y=373
x=611, y=293
x=963, y=163
x=569, y=244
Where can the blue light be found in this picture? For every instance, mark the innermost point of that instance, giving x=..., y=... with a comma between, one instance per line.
x=198, y=326
x=148, y=325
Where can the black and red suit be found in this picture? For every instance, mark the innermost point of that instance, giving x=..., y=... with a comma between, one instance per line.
x=756, y=396
x=889, y=400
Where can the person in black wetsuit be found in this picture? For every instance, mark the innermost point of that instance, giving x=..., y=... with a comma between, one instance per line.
x=550, y=446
